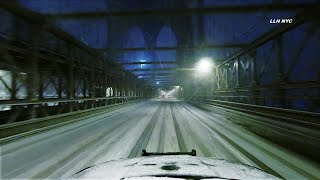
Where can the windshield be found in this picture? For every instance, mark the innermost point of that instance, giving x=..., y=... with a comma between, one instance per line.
x=85, y=83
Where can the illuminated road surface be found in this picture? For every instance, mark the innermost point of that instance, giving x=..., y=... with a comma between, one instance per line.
x=158, y=125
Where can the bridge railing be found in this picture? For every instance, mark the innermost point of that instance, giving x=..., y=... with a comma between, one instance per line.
x=278, y=69
x=45, y=71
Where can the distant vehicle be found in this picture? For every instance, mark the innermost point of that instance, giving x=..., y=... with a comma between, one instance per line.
x=171, y=166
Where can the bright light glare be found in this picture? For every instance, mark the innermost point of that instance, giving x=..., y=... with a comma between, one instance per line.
x=142, y=65
x=205, y=65
x=157, y=82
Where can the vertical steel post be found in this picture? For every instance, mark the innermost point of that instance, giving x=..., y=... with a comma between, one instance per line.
x=115, y=87
x=280, y=74
x=85, y=85
x=122, y=87
x=104, y=87
x=255, y=79
x=237, y=73
x=92, y=86
x=33, y=71
x=13, y=92
x=254, y=72
x=60, y=85
x=70, y=80
x=226, y=78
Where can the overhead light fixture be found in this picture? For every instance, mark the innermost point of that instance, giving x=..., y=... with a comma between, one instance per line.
x=157, y=82
x=142, y=65
x=205, y=65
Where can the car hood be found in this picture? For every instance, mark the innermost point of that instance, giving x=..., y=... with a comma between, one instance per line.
x=168, y=167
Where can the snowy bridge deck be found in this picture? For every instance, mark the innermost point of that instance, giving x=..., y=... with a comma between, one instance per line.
x=162, y=126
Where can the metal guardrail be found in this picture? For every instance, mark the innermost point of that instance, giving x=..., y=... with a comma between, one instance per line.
x=59, y=100
x=288, y=128
x=23, y=109
x=12, y=131
x=299, y=117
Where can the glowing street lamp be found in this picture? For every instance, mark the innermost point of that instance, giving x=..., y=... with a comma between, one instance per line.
x=204, y=66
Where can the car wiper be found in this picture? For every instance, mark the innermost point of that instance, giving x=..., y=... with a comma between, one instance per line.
x=145, y=153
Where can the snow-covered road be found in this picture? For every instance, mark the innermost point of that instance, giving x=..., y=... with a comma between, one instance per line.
x=157, y=125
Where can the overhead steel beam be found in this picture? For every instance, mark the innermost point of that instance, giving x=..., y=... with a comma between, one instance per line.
x=153, y=69
x=162, y=82
x=166, y=81
x=149, y=62
x=185, y=11
x=161, y=78
x=162, y=69
x=173, y=81
x=208, y=46
x=156, y=74
x=169, y=83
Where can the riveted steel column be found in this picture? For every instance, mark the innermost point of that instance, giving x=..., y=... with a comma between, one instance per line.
x=280, y=74
x=114, y=87
x=85, y=84
x=104, y=87
x=70, y=80
x=226, y=78
x=109, y=84
x=122, y=81
x=255, y=79
x=60, y=85
x=237, y=73
x=254, y=72
x=33, y=71
x=92, y=87
x=316, y=103
x=115, y=83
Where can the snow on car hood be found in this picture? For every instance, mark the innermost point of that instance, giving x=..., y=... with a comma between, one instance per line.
x=166, y=167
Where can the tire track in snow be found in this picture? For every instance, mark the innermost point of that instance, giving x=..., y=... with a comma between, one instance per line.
x=182, y=145
x=161, y=136
x=268, y=156
x=145, y=136
x=194, y=137
x=236, y=146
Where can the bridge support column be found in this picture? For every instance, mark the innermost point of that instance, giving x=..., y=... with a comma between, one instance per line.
x=255, y=80
x=70, y=86
x=33, y=71
x=280, y=74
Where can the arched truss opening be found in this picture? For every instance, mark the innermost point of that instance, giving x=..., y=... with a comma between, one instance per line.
x=166, y=38
x=134, y=38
